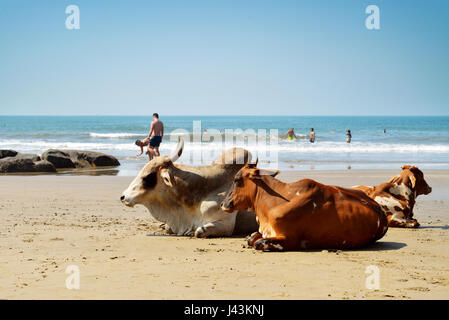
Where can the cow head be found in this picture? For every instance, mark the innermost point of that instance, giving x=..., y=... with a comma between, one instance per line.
x=156, y=176
x=242, y=193
x=414, y=179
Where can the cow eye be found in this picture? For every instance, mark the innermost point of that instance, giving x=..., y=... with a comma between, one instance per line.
x=149, y=182
x=238, y=181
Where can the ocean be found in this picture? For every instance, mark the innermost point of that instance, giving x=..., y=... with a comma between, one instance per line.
x=422, y=141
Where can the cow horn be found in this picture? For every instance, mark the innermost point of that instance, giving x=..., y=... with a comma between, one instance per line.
x=254, y=164
x=178, y=151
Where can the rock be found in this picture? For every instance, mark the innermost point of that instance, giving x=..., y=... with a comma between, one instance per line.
x=15, y=154
x=17, y=164
x=86, y=159
x=44, y=166
x=34, y=157
x=79, y=159
x=7, y=153
x=58, y=158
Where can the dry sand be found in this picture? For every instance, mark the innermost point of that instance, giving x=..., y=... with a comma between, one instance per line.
x=50, y=222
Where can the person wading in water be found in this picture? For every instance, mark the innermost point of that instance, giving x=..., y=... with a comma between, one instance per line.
x=348, y=136
x=312, y=135
x=291, y=134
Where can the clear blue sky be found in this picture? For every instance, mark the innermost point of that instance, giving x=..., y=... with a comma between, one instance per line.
x=231, y=57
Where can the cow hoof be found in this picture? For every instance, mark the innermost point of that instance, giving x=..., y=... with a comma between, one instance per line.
x=200, y=232
x=253, y=238
x=413, y=224
x=267, y=245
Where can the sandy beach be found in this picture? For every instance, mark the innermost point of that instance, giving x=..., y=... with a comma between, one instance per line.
x=48, y=222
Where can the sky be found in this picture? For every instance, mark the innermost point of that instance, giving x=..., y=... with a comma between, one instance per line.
x=224, y=57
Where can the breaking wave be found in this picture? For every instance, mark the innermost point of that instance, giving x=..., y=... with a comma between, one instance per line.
x=282, y=146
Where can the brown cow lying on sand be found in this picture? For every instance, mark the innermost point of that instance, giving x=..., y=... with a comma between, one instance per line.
x=304, y=214
x=397, y=196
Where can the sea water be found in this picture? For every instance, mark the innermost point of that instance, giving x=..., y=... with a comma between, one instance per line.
x=423, y=141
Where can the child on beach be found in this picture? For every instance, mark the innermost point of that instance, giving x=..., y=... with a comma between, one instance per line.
x=141, y=144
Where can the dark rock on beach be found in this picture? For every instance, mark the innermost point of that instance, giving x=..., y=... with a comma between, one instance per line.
x=34, y=157
x=87, y=159
x=19, y=164
x=11, y=161
x=7, y=153
x=79, y=159
x=59, y=158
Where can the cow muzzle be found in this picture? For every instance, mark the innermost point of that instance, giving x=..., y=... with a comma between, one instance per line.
x=227, y=205
x=126, y=201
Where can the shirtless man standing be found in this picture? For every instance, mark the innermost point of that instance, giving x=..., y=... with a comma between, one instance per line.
x=156, y=133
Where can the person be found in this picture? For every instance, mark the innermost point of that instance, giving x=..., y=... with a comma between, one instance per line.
x=348, y=136
x=385, y=131
x=155, y=135
x=312, y=135
x=154, y=138
x=141, y=144
x=291, y=134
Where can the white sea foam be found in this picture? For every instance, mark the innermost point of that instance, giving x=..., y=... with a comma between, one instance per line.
x=115, y=135
x=284, y=147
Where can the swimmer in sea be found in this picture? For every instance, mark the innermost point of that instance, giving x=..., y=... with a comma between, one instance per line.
x=348, y=136
x=312, y=135
x=291, y=134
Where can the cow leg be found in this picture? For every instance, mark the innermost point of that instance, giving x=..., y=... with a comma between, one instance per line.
x=215, y=229
x=403, y=223
x=253, y=238
x=414, y=223
x=165, y=227
x=271, y=244
x=220, y=223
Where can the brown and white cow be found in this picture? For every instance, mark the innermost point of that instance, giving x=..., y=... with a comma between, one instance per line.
x=304, y=214
x=397, y=197
x=187, y=198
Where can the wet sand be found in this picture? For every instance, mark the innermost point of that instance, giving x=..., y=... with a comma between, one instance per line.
x=50, y=222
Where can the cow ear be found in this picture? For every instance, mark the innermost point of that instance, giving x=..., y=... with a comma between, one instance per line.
x=413, y=181
x=254, y=164
x=259, y=173
x=167, y=177
x=272, y=173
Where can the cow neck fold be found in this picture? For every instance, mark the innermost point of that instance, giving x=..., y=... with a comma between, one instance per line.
x=269, y=188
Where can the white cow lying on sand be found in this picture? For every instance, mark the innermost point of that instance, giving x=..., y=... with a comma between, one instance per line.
x=187, y=198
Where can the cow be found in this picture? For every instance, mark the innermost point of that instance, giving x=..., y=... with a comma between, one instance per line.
x=397, y=197
x=305, y=214
x=187, y=198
